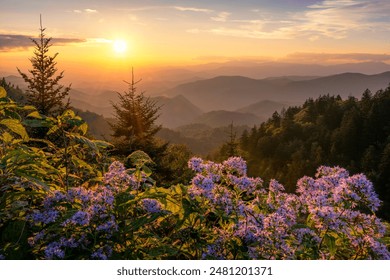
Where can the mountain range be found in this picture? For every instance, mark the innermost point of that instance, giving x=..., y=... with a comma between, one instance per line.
x=222, y=100
x=234, y=92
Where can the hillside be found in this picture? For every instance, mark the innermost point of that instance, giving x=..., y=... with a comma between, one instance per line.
x=263, y=109
x=176, y=111
x=224, y=118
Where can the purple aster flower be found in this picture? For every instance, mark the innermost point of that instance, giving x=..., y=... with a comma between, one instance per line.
x=196, y=164
x=306, y=233
x=377, y=248
x=79, y=218
x=235, y=164
x=151, y=205
x=202, y=182
x=102, y=253
x=274, y=186
x=109, y=227
x=54, y=251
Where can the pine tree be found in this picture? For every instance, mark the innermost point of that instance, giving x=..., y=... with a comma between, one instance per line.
x=44, y=91
x=135, y=117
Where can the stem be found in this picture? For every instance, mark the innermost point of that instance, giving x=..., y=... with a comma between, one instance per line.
x=322, y=239
x=66, y=161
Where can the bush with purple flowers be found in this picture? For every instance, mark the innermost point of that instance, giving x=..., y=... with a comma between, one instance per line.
x=330, y=217
x=77, y=224
x=223, y=214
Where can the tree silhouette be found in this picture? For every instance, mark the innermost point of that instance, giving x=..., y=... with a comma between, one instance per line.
x=44, y=91
x=135, y=117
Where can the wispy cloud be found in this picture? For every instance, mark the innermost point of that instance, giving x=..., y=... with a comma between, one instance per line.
x=221, y=17
x=326, y=19
x=12, y=42
x=336, y=19
x=252, y=33
x=86, y=11
x=192, y=9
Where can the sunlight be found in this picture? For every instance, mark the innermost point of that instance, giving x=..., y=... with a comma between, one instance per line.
x=119, y=46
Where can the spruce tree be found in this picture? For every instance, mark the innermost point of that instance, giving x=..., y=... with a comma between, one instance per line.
x=135, y=120
x=134, y=128
x=44, y=91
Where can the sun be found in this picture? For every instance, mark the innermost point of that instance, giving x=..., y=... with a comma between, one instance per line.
x=119, y=46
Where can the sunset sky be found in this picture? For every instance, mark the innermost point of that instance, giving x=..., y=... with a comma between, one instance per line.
x=161, y=33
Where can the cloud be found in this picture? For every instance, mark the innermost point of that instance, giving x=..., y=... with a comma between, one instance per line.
x=221, y=17
x=325, y=19
x=192, y=9
x=90, y=11
x=86, y=11
x=12, y=42
x=279, y=34
x=336, y=19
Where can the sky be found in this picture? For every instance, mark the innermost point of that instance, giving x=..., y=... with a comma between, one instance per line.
x=187, y=32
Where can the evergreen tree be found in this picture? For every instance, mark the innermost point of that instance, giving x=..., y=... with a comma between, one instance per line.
x=135, y=117
x=230, y=148
x=44, y=91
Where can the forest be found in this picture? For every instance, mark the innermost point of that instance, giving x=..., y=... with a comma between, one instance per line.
x=311, y=182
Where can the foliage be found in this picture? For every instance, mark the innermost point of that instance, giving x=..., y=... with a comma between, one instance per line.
x=60, y=200
x=44, y=91
x=30, y=168
x=223, y=215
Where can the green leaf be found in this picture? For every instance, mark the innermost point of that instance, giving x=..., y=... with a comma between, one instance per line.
x=52, y=129
x=6, y=137
x=102, y=144
x=139, y=158
x=331, y=242
x=16, y=127
x=36, y=123
x=3, y=93
x=28, y=108
x=35, y=114
x=79, y=163
x=83, y=128
x=140, y=222
x=69, y=113
x=147, y=170
x=84, y=140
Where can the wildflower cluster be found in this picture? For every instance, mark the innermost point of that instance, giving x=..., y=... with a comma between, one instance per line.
x=222, y=184
x=151, y=205
x=223, y=214
x=118, y=178
x=329, y=218
x=340, y=210
x=79, y=221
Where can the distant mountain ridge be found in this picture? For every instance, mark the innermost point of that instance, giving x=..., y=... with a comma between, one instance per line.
x=234, y=92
